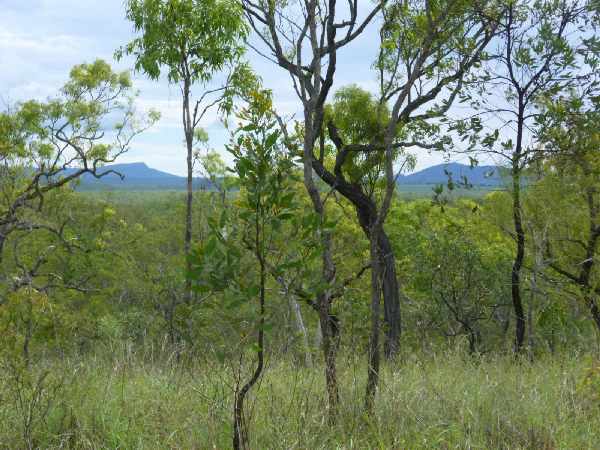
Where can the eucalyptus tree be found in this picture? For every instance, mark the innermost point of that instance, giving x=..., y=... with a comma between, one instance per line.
x=537, y=52
x=426, y=51
x=45, y=146
x=265, y=175
x=192, y=42
x=572, y=154
x=303, y=38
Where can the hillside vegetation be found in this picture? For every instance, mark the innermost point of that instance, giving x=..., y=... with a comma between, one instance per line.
x=304, y=295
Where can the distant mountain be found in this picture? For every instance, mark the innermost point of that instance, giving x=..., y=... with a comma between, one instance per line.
x=140, y=177
x=136, y=176
x=477, y=176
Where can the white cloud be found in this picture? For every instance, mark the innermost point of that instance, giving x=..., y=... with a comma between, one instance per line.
x=14, y=42
x=40, y=40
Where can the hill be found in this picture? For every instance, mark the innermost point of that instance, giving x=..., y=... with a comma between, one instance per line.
x=137, y=176
x=477, y=176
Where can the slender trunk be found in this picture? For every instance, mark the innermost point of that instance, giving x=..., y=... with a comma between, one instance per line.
x=590, y=254
x=328, y=328
x=520, y=238
x=391, y=297
x=188, y=218
x=189, y=141
x=374, y=352
x=329, y=331
x=594, y=310
x=367, y=213
x=301, y=330
x=240, y=430
x=516, y=269
x=328, y=344
x=472, y=341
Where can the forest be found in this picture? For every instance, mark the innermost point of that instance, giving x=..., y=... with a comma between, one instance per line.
x=297, y=300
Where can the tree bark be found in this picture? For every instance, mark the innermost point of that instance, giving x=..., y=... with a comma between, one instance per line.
x=594, y=310
x=391, y=297
x=328, y=328
x=301, y=330
x=240, y=431
x=517, y=266
x=374, y=352
x=189, y=141
x=366, y=212
x=517, y=211
x=329, y=333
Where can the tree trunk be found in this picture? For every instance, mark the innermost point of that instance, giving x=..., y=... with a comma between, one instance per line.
x=391, y=297
x=367, y=215
x=516, y=275
x=240, y=431
x=188, y=222
x=472, y=335
x=594, y=310
x=590, y=254
x=189, y=142
x=329, y=331
x=366, y=211
x=374, y=353
x=520, y=237
x=300, y=330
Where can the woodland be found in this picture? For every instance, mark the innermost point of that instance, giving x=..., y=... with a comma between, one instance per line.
x=299, y=301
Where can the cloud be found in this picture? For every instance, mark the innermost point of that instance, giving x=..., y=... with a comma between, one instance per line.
x=40, y=40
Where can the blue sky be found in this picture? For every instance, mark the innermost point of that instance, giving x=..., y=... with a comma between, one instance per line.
x=40, y=40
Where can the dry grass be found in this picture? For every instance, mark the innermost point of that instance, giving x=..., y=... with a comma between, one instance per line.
x=443, y=402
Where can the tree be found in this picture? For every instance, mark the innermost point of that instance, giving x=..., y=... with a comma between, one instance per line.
x=192, y=41
x=426, y=51
x=461, y=277
x=266, y=202
x=570, y=133
x=535, y=55
x=45, y=147
x=303, y=37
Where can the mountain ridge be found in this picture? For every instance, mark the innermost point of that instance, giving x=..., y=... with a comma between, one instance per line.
x=460, y=173
x=136, y=176
x=139, y=176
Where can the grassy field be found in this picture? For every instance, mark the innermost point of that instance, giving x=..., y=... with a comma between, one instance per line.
x=139, y=401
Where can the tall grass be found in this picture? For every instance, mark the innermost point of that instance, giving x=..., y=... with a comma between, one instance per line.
x=131, y=401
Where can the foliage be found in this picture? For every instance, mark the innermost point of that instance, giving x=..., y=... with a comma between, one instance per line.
x=191, y=41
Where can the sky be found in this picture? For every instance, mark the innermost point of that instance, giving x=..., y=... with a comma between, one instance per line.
x=40, y=40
